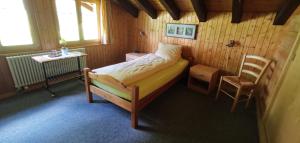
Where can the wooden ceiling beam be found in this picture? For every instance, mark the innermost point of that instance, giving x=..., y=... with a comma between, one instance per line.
x=172, y=8
x=148, y=8
x=128, y=6
x=237, y=11
x=200, y=9
x=285, y=11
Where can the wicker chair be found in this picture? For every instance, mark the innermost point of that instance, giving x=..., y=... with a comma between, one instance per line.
x=251, y=70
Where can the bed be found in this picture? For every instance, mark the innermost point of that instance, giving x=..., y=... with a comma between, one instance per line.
x=133, y=85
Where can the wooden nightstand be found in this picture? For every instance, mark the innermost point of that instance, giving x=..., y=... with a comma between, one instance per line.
x=132, y=56
x=203, y=78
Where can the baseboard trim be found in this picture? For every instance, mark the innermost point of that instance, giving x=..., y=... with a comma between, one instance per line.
x=7, y=94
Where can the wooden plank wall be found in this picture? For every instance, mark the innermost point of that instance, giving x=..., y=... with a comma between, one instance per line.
x=255, y=35
x=98, y=55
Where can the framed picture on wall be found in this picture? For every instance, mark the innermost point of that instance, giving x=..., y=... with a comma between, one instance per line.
x=187, y=31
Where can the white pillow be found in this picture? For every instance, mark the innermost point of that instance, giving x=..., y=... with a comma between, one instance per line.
x=169, y=51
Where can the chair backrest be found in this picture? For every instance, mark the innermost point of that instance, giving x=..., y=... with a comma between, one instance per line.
x=254, y=69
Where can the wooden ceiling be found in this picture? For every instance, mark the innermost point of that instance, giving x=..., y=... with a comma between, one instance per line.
x=284, y=8
x=220, y=5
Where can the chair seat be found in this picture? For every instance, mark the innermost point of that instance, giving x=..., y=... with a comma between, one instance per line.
x=238, y=81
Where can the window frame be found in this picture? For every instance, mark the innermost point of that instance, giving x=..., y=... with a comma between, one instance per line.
x=33, y=32
x=81, y=41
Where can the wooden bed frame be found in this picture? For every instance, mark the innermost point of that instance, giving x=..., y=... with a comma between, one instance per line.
x=133, y=106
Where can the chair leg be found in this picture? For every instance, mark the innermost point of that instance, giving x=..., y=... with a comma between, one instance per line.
x=236, y=99
x=249, y=98
x=219, y=88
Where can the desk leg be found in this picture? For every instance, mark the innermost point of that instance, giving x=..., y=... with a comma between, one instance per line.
x=47, y=81
x=79, y=68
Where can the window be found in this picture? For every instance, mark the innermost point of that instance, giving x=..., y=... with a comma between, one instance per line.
x=78, y=20
x=89, y=20
x=67, y=18
x=14, y=26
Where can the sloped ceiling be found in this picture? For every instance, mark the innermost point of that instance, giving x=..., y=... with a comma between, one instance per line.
x=222, y=5
x=283, y=8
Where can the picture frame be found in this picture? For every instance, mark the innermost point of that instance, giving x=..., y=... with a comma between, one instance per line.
x=187, y=31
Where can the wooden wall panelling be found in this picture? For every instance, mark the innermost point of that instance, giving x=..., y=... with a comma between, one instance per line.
x=231, y=36
x=254, y=35
x=224, y=60
x=157, y=28
x=153, y=33
x=254, y=32
x=234, y=55
x=6, y=82
x=264, y=43
x=250, y=33
x=241, y=49
x=133, y=34
x=234, y=52
x=193, y=20
x=224, y=48
x=216, y=45
x=273, y=43
x=216, y=34
x=209, y=34
x=219, y=35
x=261, y=36
x=244, y=36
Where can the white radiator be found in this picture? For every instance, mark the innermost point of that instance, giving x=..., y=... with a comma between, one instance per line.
x=25, y=71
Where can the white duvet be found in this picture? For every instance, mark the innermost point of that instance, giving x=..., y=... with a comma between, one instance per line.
x=132, y=71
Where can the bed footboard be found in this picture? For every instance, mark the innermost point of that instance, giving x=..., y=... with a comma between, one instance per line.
x=132, y=106
x=87, y=82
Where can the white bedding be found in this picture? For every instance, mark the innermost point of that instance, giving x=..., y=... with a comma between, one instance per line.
x=134, y=70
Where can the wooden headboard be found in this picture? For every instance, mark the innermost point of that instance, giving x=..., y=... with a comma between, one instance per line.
x=187, y=54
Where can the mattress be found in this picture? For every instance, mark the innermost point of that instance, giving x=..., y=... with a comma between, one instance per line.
x=150, y=83
x=134, y=70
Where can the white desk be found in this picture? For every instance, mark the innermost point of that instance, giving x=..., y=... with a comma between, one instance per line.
x=43, y=59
